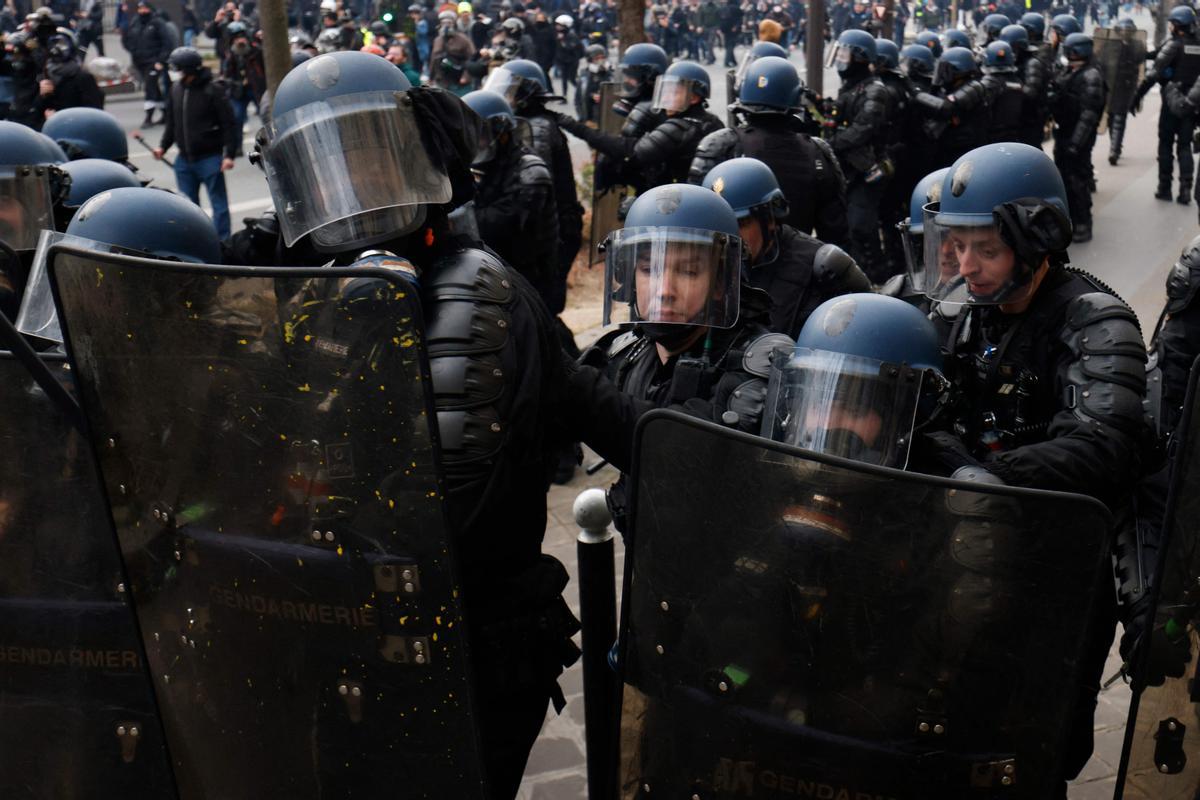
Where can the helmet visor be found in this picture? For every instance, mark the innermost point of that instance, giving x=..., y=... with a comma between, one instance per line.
x=508, y=85
x=970, y=264
x=673, y=93
x=673, y=276
x=26, y=205
x=844, y=405
x=351, y=170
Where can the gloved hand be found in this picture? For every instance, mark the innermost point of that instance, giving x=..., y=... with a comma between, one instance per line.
x=946, y=450
x=1135, y=106
x=1167, y=651
x=738, y=401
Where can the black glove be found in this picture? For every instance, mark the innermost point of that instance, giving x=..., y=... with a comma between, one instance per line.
x=946, y=450
x=1166, y=656
x=738, y=401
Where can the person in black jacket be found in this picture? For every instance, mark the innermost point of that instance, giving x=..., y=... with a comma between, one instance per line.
x=67, y=84
x=664, y=153
x=91, y=27
x=796, y=270
x=954, y=113
x=1079, y=99
x=149, y=44
x=200, y=122
x=567, y=53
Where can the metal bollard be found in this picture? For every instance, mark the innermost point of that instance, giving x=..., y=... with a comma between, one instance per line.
x=598, y=616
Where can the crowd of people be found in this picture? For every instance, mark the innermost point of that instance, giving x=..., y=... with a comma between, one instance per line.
x=922, y=184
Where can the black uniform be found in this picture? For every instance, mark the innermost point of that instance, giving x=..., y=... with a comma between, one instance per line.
x=797, y=283
x=149, y=43
x=894, y=206
x=661, y=155
x=74, y=87
x=1078, y=103
x=1053, y=400
x=1006, y=107
x=1177, y=341
x=806, y=168
x=515, y=209
x=1178, y=61
x=548, y=143
x=859, y=143
x=1035, y=81
x=957, y=119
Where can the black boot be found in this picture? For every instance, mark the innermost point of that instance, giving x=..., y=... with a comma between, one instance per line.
x=1113, y=157
x=1083, y=233
x=1184, y=197
x=1164, y=191
x=148, y=122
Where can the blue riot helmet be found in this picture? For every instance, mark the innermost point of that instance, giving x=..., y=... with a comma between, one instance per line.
x=929, y=39
x=887, y=56
x=912, y=230
x=498, y=118
x=956, y=65
x=30, y=184
x=1182, y=20
x=855, y=51
x=757, y=50
x=1002, y=214
x=752, y=191
x=640, y=67
x=999, y=57
x=89, y=177
x=679, y=85
x=991, y=27
x=344, y=156
x=675, y=265
x=1077, y=47
x=866, y=371
x=88, y=133
x=1017, y=37
x=1063, y=26
x=771, y=85
x=917, y=61
x=299, y=57
x=953, y=37
x=518, y=82
x=1035, y=25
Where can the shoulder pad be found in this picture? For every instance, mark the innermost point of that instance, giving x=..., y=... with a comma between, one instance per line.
x=469, y=275
x=1088, y=309
x=533, y=171
x=893, y=286
x=825, y=148
x=756, y=358
x=617, y=342
x=830, y=261
x=1182, y=283
x=976, y=504
x=719, y=145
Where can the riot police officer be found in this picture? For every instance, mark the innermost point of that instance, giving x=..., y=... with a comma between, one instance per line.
x=991, y=28
x=918, y=63
x=1034, y=77
x=1079, y=98
x=30, y=184
x=953, y=37
x=640, y=67
x=89, y=177
x=1177, y=61
x=514, y=196
x=955, y=112
x=1061, y=26
x=1006, y=95
x=897, y=150
x=88, y=133
x=525, y=86
x=1035, y=25
x=930, y=40
x=1121, y=71
x=1175, y=343
x=910, y=286
x=664, y=153
x=859, y=139
x=769, y=130
x=1044, y=405
x=494, y=353
x=797, y=271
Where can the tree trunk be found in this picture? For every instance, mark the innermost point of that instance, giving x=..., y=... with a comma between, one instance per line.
x=814, y=46
x=277, y=53
x=630, y=15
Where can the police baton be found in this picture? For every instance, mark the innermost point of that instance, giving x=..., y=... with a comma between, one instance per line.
x=142, y=141
x=598, y=617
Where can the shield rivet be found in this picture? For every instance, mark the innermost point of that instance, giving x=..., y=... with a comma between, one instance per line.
x=664, y=605
x=939, y=729
x=723, y=686
x=1009, y=769
x=329, y=536
x=343, y=689
x=658, y=648
x=357, y=692
x=133, y=731
x=1007, y=781
x=1163, y=768
x=316, y=535
x=409, y=588
x=120, y=730
x=420, y=659
x=1171, y=726
x=407, y=574
x=923, y=727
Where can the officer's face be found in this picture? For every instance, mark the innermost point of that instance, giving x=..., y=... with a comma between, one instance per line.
x=752, y=235
x=12, y=219
x=678, y=289
x=985, y=262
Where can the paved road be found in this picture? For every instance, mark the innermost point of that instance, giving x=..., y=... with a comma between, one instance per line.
x=1137, y=238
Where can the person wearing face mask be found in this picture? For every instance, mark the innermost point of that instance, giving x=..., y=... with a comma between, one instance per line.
x=244, y=73
x=514, y=195
x=1079, y=99
x=449, y=54
x=67, y=84
x=201, y=122
x=149, y=44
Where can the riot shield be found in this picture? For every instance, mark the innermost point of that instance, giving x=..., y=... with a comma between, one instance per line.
x=266, y=442
x=1161, y=755
x=606, y=194
x=1121, y=56
x=798, y=625
x=75, y=696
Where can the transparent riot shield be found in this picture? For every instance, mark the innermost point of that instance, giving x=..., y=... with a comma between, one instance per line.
x=1121, y=56
x=267, y=446
x=1161, y=756
x=798, y=625
x=607, y=191
x=78, y=711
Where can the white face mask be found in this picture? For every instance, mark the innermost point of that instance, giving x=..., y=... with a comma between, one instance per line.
x=175, y=75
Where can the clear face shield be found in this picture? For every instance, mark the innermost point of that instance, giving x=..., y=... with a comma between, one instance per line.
x=739, y=77
x=844, y=405
x=351, y=170
x=492, y=131
x=507, y=84
x=971, y=264
x=672, y=276
x=673, y=94
x=26, y=205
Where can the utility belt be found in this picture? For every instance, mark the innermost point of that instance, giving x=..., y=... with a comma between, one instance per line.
x=521, y=631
